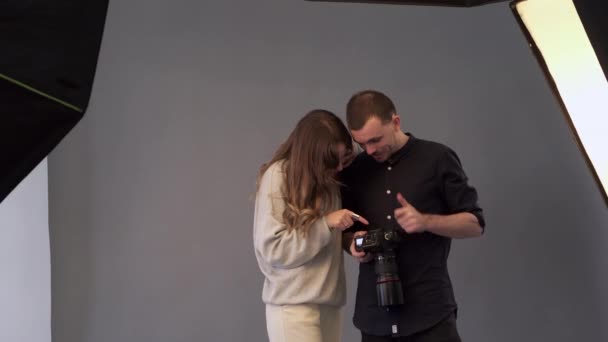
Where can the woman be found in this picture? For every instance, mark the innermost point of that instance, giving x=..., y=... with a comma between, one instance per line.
x=298, y=227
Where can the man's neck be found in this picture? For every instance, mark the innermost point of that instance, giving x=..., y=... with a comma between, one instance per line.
x=402, y=139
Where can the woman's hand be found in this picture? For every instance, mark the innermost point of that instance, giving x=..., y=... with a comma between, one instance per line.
x=343, y=219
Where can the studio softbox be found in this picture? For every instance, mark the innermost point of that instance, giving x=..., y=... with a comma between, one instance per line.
x=570, y=41
x=48, y=56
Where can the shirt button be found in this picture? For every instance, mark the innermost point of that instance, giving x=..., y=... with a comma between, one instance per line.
x=389, y=168
x=388, y=217
x=388, y=192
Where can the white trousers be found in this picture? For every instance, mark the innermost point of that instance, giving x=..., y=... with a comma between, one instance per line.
x=304, y=323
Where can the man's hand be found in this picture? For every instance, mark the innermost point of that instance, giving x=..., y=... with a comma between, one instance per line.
x=409, y=218
x=360, y=256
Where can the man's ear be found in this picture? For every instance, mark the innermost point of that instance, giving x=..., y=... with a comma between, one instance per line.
x=396, y=120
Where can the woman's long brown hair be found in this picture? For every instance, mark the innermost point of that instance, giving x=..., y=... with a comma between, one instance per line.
x=310, y=159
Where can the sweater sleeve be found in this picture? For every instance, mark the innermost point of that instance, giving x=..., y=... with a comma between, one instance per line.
x=278, y=246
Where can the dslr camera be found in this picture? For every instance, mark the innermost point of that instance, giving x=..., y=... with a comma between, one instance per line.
x=383, y=243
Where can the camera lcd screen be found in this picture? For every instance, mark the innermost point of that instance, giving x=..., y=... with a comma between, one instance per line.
x=359, y=241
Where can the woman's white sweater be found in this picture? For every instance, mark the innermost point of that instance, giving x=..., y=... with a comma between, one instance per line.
x=298, y=269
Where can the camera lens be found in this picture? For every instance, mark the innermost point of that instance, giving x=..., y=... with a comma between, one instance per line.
x=389, y=291
x=388, y=284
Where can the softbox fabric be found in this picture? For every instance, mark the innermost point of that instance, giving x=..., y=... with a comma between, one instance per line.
x=48, y=58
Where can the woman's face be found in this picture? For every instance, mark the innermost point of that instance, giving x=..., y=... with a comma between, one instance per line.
x=346, y=156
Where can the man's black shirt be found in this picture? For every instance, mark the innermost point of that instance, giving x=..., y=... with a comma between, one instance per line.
x=430, y=177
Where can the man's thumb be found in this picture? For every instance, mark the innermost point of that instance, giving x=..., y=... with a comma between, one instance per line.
x=402, y=200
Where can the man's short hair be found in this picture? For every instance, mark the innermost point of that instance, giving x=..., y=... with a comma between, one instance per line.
x=367, y=104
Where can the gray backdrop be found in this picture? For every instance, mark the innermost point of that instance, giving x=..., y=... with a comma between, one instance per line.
x=151, y=196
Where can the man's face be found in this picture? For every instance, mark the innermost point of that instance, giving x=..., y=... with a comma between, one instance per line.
x=377, y=139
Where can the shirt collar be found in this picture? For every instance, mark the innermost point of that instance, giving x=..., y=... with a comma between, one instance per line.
x=403, y=151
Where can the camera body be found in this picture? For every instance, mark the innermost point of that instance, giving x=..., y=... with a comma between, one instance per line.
x=378, y=241
x=384, y=243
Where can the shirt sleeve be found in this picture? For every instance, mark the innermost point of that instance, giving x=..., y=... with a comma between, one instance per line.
x=459, y=196
x=278, y=246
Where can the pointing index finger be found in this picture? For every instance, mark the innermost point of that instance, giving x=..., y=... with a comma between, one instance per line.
x=359, y=218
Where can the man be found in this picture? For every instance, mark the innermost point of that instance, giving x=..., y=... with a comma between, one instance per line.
x=418, y=187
